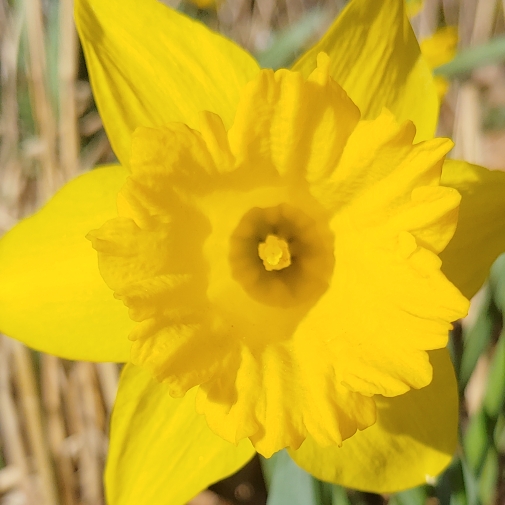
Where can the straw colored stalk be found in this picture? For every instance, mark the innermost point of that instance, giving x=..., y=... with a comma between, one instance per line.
x=51, y=370
x=10, y=425
x=41, y=105
x=25, y=382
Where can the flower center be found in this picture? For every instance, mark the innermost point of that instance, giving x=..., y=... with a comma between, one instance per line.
x=275, y=253
x=269, y=240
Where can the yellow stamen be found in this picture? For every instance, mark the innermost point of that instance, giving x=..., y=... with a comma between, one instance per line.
x=275, y=253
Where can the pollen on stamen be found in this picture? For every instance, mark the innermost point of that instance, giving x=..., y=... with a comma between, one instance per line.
x=274, y=252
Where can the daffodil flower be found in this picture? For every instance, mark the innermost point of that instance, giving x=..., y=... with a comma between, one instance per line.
x=274, y=244
x=438, y=49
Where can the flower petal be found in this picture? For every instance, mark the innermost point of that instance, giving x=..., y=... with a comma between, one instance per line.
x=285, y=354
x=413, y=7
x=480, y=235
x=375, y=57
x=52, y=297
x=438, y=49
x=160, y=447
x=293, y=122
x=387, y=236
x=150, y=65
x=412, y=441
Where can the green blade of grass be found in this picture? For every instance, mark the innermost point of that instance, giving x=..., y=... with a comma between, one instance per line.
x=474, y=57
x=415, y=496
x=287, y=483
x=288, y=43
x=477, y=440
x=489, y=477
x=451, y=486
x=477, y=339
x=494, y=397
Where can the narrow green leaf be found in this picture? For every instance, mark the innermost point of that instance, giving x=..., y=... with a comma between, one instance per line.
x=477, y=338
x=471, y=484
x=267, y=467
x=494, y=398
x=325, y=492
x=415, y=496
x=497, y=282
x=288, y=43
x=499, y=433
x=289, y=484
x=339, y=496
x=489, y=477
x=450, y=488
x=477, y=440
x=474, y=57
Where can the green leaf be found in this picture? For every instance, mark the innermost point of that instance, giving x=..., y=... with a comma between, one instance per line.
x=471, y=484
x=288, y=43
x=474, y=57
x=450, y=488
x=325, y=492
x=497, y=282
x=415, y=496
x=331, y=494
x=489, y=477
x=288, y=483
x=477, y=338
x=499, y=433
x=339, y=496
x=494, y=398
x=477, y=440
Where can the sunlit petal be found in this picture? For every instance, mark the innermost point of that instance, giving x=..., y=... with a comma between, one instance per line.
x=375, y=57
x=480, y=235
x=150, y=65
x=52, y=297
x=412, y=441
x=160, y=447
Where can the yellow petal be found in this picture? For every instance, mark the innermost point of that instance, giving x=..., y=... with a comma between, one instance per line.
x=52, y=297
x=438, y=49
x=161, y=451
x=375, y=57
x=480, y=235
x=412, y=441
x=293, y=121
x=280, y=354
x=413, y=7
x=150, y=65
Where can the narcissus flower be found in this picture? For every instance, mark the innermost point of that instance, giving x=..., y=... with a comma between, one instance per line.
x=273, y=243
x=438, y=49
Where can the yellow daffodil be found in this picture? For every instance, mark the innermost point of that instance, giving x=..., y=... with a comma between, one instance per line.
x=439, y=49
x=273, y=243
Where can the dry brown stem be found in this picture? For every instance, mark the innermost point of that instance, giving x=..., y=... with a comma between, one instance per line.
x=10, y=424
x=42, y=108
x=24, y=380
x=51, y=368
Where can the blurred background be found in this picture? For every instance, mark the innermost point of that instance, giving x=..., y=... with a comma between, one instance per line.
x=54, y=413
